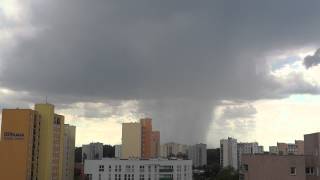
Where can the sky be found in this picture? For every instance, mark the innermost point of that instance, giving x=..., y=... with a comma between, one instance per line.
x=201, y=70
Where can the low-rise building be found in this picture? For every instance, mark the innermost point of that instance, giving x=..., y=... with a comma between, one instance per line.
x=272, y=167
x=291, y=149
x=273, y=150
x=132, y=169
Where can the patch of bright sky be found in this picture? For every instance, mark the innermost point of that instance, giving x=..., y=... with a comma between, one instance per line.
x=282, y=120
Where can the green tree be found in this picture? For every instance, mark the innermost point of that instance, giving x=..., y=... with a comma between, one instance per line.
x=227, y=173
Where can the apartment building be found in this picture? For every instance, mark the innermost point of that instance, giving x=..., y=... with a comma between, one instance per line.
x=229, y=153
x=92, y=151
x=272, y=167
x=173, y=149
x=19, y=144
x=69, y=152
x=131, y=140
x=285, y=165
x=132, y=169
x=51, y=143
x=198, y=154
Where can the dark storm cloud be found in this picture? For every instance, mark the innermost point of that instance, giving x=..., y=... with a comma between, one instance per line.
x=314, y=60
x=184, y=56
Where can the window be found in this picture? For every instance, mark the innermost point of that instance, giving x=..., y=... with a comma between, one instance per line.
x=141, y=168
x=101, y=168
x=310, y=171
x=141, y=177
x=245, y=167
x=99, y=176
x=293, y=171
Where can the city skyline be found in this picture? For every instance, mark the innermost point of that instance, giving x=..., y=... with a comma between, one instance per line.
x=213, y=69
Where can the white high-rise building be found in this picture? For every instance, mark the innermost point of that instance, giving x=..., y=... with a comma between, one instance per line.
x=92, y=151
x=135, y=169
x=228, y=153
x=198, y=154
x=117, y=151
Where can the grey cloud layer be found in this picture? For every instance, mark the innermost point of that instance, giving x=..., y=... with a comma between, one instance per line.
x=172, y=53
x=314, y=60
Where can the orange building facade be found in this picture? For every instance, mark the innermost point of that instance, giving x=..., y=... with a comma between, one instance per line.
x=155, y=144
x=146, y=138
x=19, y=144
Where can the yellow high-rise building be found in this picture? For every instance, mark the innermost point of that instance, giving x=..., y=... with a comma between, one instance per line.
x=51, y=143
x=131, y=140
x=19, y=144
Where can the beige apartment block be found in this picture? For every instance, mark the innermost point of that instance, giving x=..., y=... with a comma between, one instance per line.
x=131, y=140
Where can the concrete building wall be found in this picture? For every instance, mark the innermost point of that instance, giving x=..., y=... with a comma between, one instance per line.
x=114, y=169
x=155, y=144
x=19, y=144
x=69, y=150
x=173, y=149
x=131, y=140
x=198, y=154
x=117, y=151
x=312, y=154
x=51, y=143
x=273, y=150
x=283, y=148
x=247, y=148
x=229, y=153
x=46, y=141
x=272, y=167
x=58, y=147
x=300, y=147
x=146, y=140
x=92, y=151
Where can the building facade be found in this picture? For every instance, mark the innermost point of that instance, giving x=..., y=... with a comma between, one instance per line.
x=92, y=151
x=155, y=144
x=273, y=150
x=69, y=152
x=51, y=143
x=131, y=140
x=173, y=150
x=247, y=148
x=198, y=154
x=146, y=137
x=229, y=153
x=19, y=144
x=312, y=156
x=134, y=169
x=117, y=151
x=291, y=149
x=272, y=167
